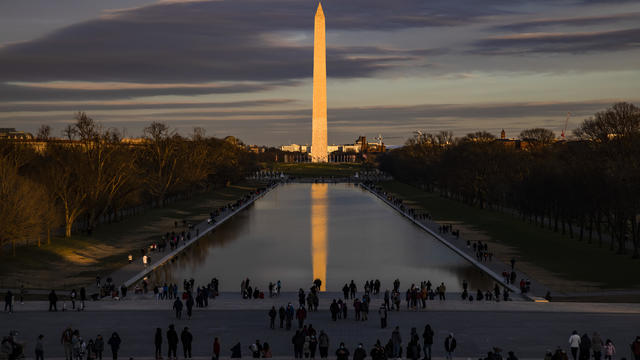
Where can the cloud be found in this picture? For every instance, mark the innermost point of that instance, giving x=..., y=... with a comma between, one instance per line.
x=573, y=43
x=578, y=21
x=208, y=41
x=101, y=91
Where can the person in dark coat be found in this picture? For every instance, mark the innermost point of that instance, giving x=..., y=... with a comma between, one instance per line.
x=186, y=339
x=114, y=342
x=189, y=306
x=342, y=353
x=450, y=344
x=427, y=339
x=236, y=351
x=177, y=306
x=282, y=313
x=272, y=317
x=157, y=341
x=172, y=342
x=53, y=301
x=360, y=353
x=99, y=345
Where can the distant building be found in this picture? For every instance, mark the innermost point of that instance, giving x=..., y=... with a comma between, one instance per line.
x=359, y=146
x=13, y=134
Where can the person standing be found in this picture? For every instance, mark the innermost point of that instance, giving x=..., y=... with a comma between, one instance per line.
x=216, y=349
x=172, y=342
x=272, y=318
x=635, y=348
x=585, y=347
x=359, y=353
x=301, y=315
x=574, y=344
x=282, y=313
x=73, y=298
x=83, y=297
x=53, y=301
x=177, y=306
x=189, y=306
x=450, y=344
x=66, y=341
x=157, y=340
x=187, y=340
x=323, y=344
x=427, y=337
x=114, y=342
x=39, y=348
x=396, y=340
x=596, y=346
x=609, y=350
x=383, y=316
x=99, y=344
x=342, y=353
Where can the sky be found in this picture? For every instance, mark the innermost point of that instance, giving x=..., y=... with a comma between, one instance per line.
x=244, y=67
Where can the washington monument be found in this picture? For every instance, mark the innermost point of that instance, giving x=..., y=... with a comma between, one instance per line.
x=319, y=116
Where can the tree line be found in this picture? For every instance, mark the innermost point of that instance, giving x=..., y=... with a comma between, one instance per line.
x=587, y=188
x=94, y=175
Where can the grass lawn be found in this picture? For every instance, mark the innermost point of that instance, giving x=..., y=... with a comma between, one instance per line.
x=566, y=258
x=318, y=169
x=76, y=261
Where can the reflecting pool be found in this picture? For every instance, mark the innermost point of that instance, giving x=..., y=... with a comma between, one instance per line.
x=334, y=232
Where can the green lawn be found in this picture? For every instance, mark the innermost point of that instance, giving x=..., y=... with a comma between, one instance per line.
x=67, y=262
x=566, y=258
x=318, y=169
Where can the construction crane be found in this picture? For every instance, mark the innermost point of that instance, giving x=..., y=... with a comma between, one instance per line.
x=566, y=122
x=380, y=138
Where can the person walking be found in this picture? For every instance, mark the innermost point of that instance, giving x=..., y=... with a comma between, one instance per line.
x=177, y=306
x=323, y=344
x=216, y=349
x=383, y=316
x=186, y=339
x=114, y=342
x=172, y=342
x=157, y=341
x=66, y=341
x=450, y=344
x=8, y=301
x=609, y=350
x=99, y=345
x=272, y=318
x=585, y=347
x=427, y=338
x=39, y=348
x=574, y=344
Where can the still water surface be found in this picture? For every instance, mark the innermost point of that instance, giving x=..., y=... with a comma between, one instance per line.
x=335, y=232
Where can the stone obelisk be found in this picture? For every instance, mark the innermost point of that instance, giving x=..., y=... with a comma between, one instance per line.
x=319, y=116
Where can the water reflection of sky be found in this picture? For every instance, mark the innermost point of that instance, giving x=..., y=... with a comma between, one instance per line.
x=335, y=232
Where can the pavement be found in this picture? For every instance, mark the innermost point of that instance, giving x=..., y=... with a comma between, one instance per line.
x=528, y=328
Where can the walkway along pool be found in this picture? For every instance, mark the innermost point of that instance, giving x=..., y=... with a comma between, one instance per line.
x=335, y=232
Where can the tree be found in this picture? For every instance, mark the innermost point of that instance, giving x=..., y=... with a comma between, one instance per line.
x=619, y=120
x=480, y=136
x=538, y=135
x=44, y=132
x=21, y=207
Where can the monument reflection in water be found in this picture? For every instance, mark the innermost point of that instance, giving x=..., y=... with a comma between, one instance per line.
x=334, y=232
x=319, y=223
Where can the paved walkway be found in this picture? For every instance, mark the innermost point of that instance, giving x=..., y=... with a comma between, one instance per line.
x=528, y=333
x=493, y=268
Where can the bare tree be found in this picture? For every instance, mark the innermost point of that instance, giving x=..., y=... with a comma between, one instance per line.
x=539, y=135
x=44, y=132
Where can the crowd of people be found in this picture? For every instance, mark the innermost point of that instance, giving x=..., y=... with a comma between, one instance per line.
x=309, y=343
